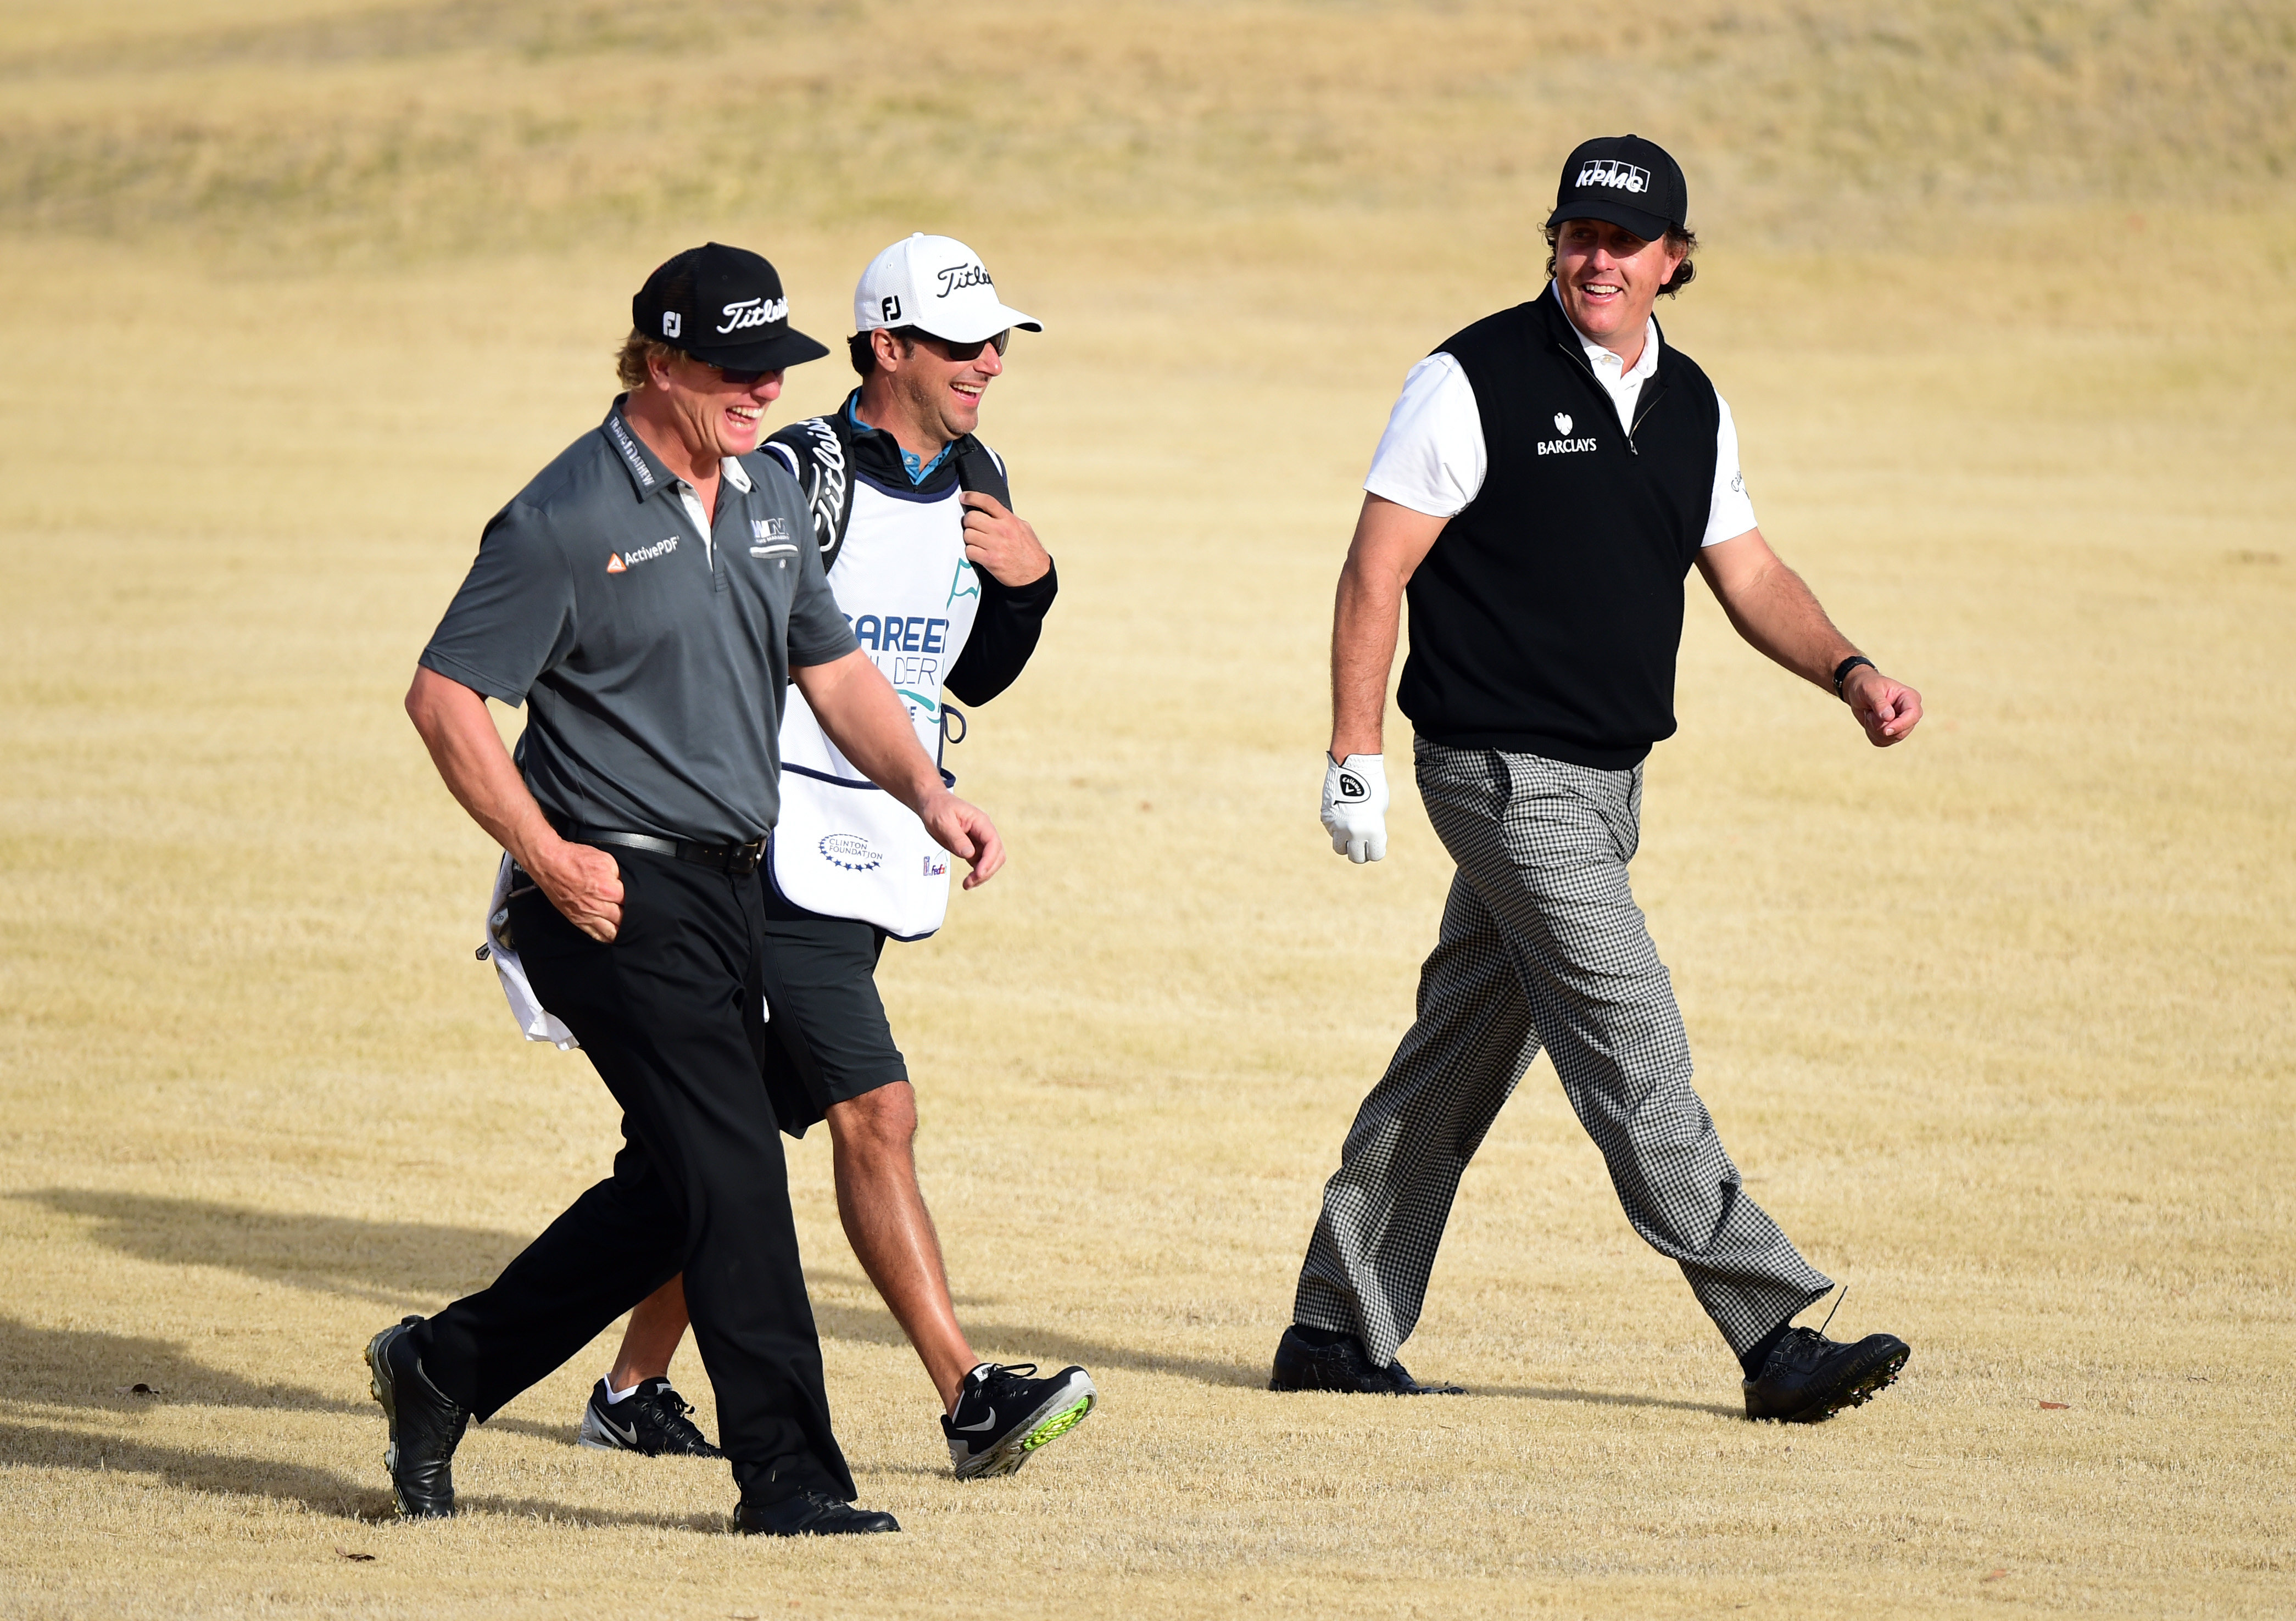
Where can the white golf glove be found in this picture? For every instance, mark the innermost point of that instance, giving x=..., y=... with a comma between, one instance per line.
x=1355, y=806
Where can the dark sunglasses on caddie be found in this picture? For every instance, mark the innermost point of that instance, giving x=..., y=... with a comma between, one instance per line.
x=949, y=349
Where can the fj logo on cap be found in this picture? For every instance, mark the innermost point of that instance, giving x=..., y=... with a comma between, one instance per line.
x=889, y=307
x=1617, y=176
x=672, y=324
x=753, y=312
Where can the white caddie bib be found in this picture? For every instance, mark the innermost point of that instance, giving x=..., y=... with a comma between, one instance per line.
x=844, y=847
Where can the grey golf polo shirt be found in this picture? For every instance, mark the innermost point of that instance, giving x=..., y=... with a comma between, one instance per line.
x=653, y=658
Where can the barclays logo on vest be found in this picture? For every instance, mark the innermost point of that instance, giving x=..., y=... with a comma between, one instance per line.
x=1565, y=445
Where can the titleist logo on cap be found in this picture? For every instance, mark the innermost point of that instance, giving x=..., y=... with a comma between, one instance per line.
x=962, y=275
x=754, y=312
x=1618, y=176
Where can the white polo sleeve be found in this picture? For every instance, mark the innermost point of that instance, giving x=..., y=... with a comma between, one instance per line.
x=1430, y=459
x=1730, y=514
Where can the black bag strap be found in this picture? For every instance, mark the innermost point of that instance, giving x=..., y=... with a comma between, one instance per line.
x=980, y=468
x=819, y=451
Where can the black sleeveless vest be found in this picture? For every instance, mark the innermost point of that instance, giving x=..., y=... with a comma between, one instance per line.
x=1548, y=617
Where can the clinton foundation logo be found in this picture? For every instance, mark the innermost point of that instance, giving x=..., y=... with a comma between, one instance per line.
x=851, y=852
x=1613, y=175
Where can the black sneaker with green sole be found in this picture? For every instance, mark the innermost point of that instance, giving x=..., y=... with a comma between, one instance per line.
x=1006, y=1413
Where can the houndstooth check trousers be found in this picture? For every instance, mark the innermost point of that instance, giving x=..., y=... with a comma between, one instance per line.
x=1542, y=945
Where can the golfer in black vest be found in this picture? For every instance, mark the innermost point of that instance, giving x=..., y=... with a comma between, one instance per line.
x=650, y=597
x=1545, y=483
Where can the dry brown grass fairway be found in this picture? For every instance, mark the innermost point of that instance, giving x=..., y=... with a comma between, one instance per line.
x=1998, y=1024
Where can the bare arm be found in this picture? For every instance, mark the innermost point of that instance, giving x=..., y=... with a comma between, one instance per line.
x=1390, y=542
x=1775, y=612
x=582, y=882
x=857, y=708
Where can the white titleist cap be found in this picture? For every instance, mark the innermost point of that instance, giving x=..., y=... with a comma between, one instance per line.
x=936, y=283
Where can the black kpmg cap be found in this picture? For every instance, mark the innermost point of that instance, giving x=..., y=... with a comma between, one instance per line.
x=1626, y=180
x=728, y=312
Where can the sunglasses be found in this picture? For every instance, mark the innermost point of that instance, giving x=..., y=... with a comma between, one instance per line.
x=949, y=349
x=743, y=379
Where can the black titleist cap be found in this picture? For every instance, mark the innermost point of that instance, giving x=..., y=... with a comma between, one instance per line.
x=1626, y=180
x=734, y=316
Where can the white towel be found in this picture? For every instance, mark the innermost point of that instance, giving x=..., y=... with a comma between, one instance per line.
x=534, y=1021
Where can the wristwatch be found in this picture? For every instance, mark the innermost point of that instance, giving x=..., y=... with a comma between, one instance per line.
x=1842, y=670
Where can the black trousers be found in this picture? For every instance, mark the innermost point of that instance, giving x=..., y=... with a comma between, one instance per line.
x=671, y=1016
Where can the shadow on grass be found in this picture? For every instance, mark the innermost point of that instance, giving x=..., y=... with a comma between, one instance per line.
x=398, y=1261
x=321, y=1490
x=1602, y=1398
x=869, y=1325
x=87, y=1367
x=388, y=1263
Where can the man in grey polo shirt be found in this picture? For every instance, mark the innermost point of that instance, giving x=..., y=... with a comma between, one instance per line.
x=648, y=597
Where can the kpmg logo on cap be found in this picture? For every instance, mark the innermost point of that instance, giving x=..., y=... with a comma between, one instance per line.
x=753, y=312
x=1612, y=173
x=958, y=276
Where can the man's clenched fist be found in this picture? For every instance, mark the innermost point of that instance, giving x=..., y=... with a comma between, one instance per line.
x=1355, y=806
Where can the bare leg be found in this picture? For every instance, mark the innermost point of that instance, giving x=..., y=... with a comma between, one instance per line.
x=891, y=1232
x=651, y=1340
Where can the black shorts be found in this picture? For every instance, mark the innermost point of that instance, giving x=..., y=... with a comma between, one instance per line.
x=828, y=1039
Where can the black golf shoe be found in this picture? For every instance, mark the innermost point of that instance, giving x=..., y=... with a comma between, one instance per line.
x=1006, y=1413
x=1809, y=1378
x=810, y=1514
x=1342, y=1367
x=650, y=1419
x=424, y=1426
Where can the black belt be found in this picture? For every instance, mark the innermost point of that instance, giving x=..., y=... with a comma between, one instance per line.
x=739, y=859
